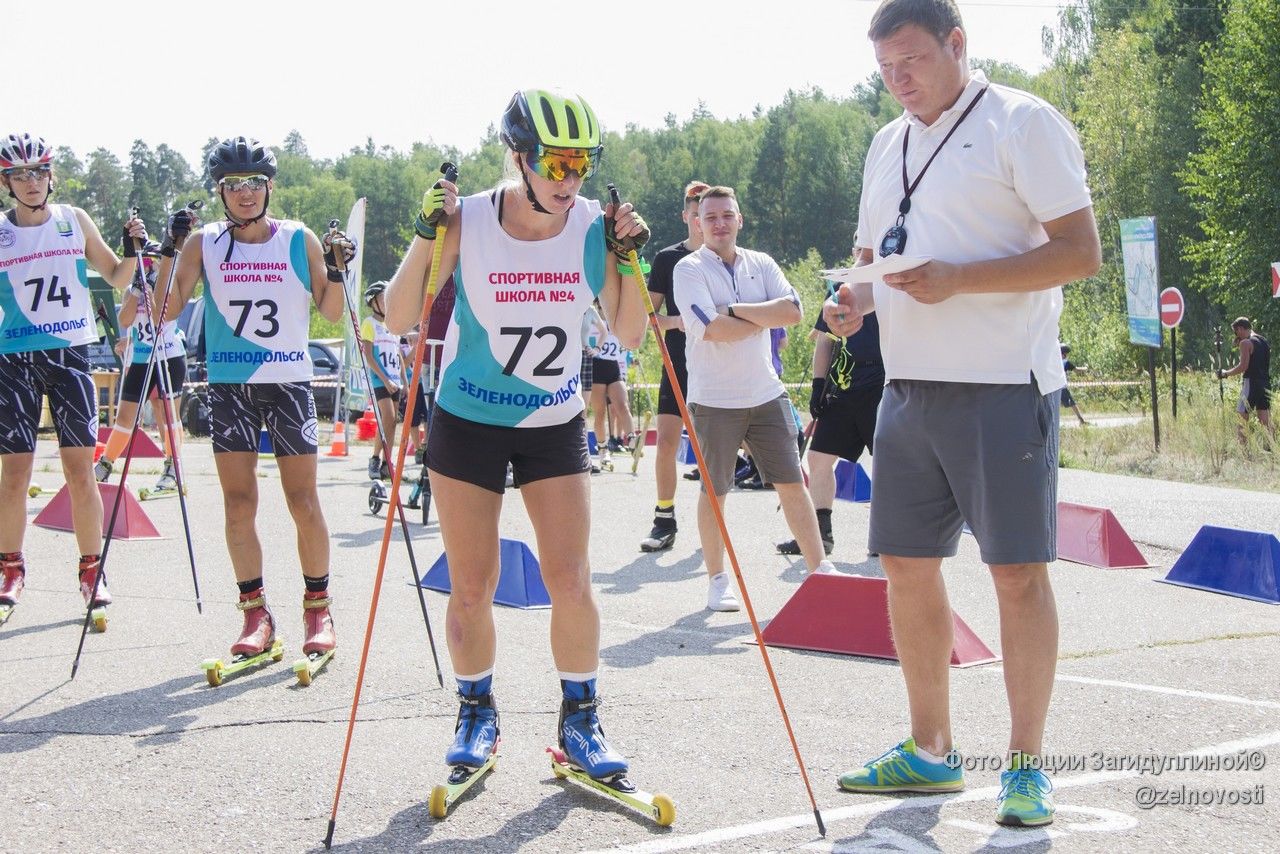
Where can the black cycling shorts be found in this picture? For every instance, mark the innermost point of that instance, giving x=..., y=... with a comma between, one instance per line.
x=131, y=389
x=605, y=372
x=287, y=410
x=478, y=453
x=63, y=375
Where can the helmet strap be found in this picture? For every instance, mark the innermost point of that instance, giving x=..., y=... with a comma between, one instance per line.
x=239, y=223
x=33, y=208
x=528, y=189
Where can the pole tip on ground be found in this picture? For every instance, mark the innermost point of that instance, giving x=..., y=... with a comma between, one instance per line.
x=328, y=837
x=822, y=828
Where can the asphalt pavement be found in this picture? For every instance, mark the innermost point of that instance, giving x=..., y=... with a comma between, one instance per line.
x=1164, y=694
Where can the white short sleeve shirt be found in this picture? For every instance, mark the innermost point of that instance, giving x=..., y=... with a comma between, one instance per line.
x=1014, y=163
x=728, y=374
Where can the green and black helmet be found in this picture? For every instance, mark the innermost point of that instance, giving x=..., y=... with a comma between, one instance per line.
x=538, y=117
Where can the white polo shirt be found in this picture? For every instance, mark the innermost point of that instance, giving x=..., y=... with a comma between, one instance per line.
x=728, y=374
x=1014, y=163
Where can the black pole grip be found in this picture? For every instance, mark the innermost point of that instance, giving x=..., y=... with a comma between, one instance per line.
x=614, y=197
x=450, y=173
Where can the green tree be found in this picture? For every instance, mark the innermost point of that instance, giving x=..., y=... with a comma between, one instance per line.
x=1231, y=180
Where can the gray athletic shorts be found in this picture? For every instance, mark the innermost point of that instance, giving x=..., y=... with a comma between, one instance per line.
x=950, y=453
x=769, y=429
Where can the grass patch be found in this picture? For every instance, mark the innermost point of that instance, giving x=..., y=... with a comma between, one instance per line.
x=1200, y=446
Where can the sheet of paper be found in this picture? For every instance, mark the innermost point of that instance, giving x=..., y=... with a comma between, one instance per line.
x=875, y=271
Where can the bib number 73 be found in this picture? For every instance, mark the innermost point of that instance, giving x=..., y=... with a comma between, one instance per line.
x=268, y=309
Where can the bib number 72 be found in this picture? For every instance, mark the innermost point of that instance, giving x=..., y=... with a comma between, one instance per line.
x=523, y=334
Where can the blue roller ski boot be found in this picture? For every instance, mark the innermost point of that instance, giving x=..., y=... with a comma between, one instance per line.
x=582, y=738
x=475, y=735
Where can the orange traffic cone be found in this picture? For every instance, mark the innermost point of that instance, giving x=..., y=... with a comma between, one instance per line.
x=338, y=448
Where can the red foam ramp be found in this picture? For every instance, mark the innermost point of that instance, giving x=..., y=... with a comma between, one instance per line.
x=143, y=444
x=849, y=615
x=1094, y=536
x=651, y=437
x=132, y=523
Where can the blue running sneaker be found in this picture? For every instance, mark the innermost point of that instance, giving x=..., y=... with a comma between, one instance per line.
x=475, y=735
x=1024, y=795
x=901, y=770
x=582, y=738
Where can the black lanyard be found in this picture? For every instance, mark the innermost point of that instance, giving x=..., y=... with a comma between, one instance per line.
x=908, y=189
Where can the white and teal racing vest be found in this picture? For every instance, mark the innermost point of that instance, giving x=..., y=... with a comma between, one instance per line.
x=512, y=354
x=44, y=285
x=142, y=340
x=386, y=349
x=257, y=314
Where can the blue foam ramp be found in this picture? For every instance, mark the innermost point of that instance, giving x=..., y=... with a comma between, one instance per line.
x=684, y=454
x=519, y=577
x=592, y=445
x=852, y=482
x=1231, y=561
x=264, y=442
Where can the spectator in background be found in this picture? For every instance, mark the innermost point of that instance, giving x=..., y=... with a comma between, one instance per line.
x=729, y=298
x=1255, y=365
x=1067, y=399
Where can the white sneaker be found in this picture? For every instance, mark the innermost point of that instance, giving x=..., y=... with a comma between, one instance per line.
x=720, y=594
x=826, y=568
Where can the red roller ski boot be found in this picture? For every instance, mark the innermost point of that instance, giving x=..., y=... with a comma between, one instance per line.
x=96, y=600
x=13, y=573
x=257, y=645
x=317, y=624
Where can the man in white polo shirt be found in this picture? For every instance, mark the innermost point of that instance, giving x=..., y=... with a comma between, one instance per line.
x=989, y=183
x=730, y=298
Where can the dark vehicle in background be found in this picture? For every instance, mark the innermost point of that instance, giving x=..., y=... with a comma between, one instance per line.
x=194, y=406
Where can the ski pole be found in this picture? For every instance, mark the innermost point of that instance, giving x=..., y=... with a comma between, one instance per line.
x=166, y=406
x=352, y=315
x=437, y=252
x=124, y=472
x=634, y=261
x=1217, y=343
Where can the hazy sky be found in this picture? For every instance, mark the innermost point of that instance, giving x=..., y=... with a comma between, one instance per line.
x=403, y=72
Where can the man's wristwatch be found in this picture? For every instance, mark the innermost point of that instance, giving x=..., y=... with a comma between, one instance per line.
x=729, y=308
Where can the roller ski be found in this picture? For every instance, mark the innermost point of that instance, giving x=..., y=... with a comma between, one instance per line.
x=96, y=602
x=320, y=641
x=420, y=496
x=13, y=573
x=378, y=497
x=473, y=754
x=585, y=757
x=257, y=645
x=166, y=486
x=637, y=440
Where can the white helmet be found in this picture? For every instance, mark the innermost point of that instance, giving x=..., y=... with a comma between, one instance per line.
x=23, y=149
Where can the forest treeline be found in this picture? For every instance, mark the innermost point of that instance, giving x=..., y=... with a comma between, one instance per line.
x=1177, y=103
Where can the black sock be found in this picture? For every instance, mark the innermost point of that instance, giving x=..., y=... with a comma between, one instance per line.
x=253, y=585
x=824, y=524
x=317, y=585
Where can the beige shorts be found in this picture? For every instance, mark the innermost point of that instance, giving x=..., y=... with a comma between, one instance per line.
x=770, y=431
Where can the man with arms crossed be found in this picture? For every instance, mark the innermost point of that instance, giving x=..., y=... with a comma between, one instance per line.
x=730, y=298
x=989, y=182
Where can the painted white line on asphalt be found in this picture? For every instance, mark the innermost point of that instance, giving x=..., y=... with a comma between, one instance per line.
x=831, y=816
x=1177, y=692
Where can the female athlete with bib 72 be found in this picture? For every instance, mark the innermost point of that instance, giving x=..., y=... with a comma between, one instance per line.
x=527, y=258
